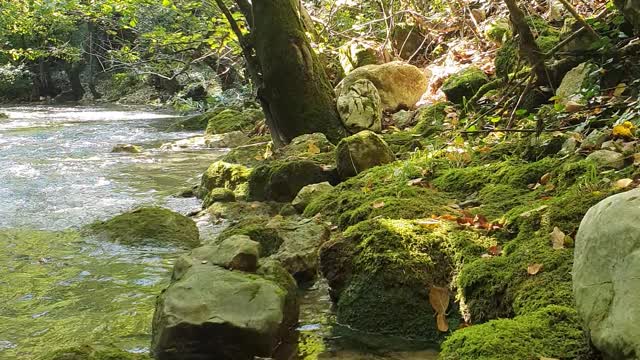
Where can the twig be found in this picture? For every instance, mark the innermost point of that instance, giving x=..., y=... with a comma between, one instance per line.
x=579, y=18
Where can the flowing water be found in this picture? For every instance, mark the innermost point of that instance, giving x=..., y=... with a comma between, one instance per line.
x=57, y=289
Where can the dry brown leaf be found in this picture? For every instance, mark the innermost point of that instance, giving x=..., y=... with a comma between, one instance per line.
x=378, y=204
x=534, y=269
x=557, y=238
x=495, y=250
x=313, y=149
x=441, y=322
x=415, y=182
x=545, y=179
x=439, y=299
x=572, y=106
x=623, y=183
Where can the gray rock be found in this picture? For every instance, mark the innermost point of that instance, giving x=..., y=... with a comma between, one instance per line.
x=607, y=159
x=308, y=193
x=360, y=107
x=208, y=312
x=569, y=146
x=360, y=152
x=298, y=252
x=583, y=76
x=605, y=275
x=227, y=140
x=403, y=118
x=237, y=252
x=399, y=84
x=595, y=139
x=218, y=195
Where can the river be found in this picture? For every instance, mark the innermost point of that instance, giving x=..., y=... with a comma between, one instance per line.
x=57, y=172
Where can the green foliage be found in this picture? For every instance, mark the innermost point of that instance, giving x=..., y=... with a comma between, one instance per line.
x=15, y=83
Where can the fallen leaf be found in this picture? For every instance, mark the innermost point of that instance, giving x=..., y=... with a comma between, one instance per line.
x=545, y=179
x=624, y=130
x=623, y=183
x=441, y=322
x=534, y=269
x=439, y=300
x=415, y=182
x=557, y=238
x=636, y=159
x=378, y=204
x=620, y=89
x=495, y=250
x=313, y=149
x=572, y=106
x=267, y=152
x=428, y=222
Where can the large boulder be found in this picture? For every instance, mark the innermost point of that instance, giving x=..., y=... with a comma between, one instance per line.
x=236, y=252
x=464, y=84
x=631, y=11
x=233, y=120
x=282, y=180
x=605, y=275
x=221, y=174
x=360, y=152
x=208, y=312
x=360, y=107
x=149, y=226
x=607, y=159
x=400, y=85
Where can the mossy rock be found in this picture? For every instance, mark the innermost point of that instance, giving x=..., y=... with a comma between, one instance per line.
x=464, y=84
x=221, y=174
x=382, y=191
x=314, y=146
x=194, y=123
x=360, y=152
x=431, y=118
x=250, y=155
x=232, y=120
x=149, y=226
x=255, y=227
x=282, y=180
x=552, y=332
x=381, y=271
x=86, y=352
x=218, y=195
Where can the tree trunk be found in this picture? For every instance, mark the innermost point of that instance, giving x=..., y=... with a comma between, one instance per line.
x=295, y=93
x=528, y=46
x=73, y=72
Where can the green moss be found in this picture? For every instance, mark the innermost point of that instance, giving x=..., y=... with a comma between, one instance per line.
x=385, y=278
x=255, y=227
x=218, y=195
x=232, y=120
x=90, y=353
x=360, y=152
x=248, y=155
x=507, y=59
x=402, y=143
x=382, y=191
x=149, y=226
x=430, y=118
x=192, y=123
x=223, y=175
x=552, y=332
x=464, y=84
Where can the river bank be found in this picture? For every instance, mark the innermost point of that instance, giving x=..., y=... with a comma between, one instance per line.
x=60, y=288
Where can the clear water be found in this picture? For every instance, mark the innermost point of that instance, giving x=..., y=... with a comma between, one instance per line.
x=57, y=289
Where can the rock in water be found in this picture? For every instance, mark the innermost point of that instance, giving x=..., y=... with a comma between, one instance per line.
x=606, y=280
x=464, y=84
x=126, y=148
x=360, y=152
x=149, y=226
x=360, y=107
x=399, y=84
x=208, y=312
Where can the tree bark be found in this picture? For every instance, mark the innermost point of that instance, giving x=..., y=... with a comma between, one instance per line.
x=528, y=46
x=295, y=93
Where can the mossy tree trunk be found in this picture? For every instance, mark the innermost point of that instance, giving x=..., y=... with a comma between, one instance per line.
x=293, y=88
